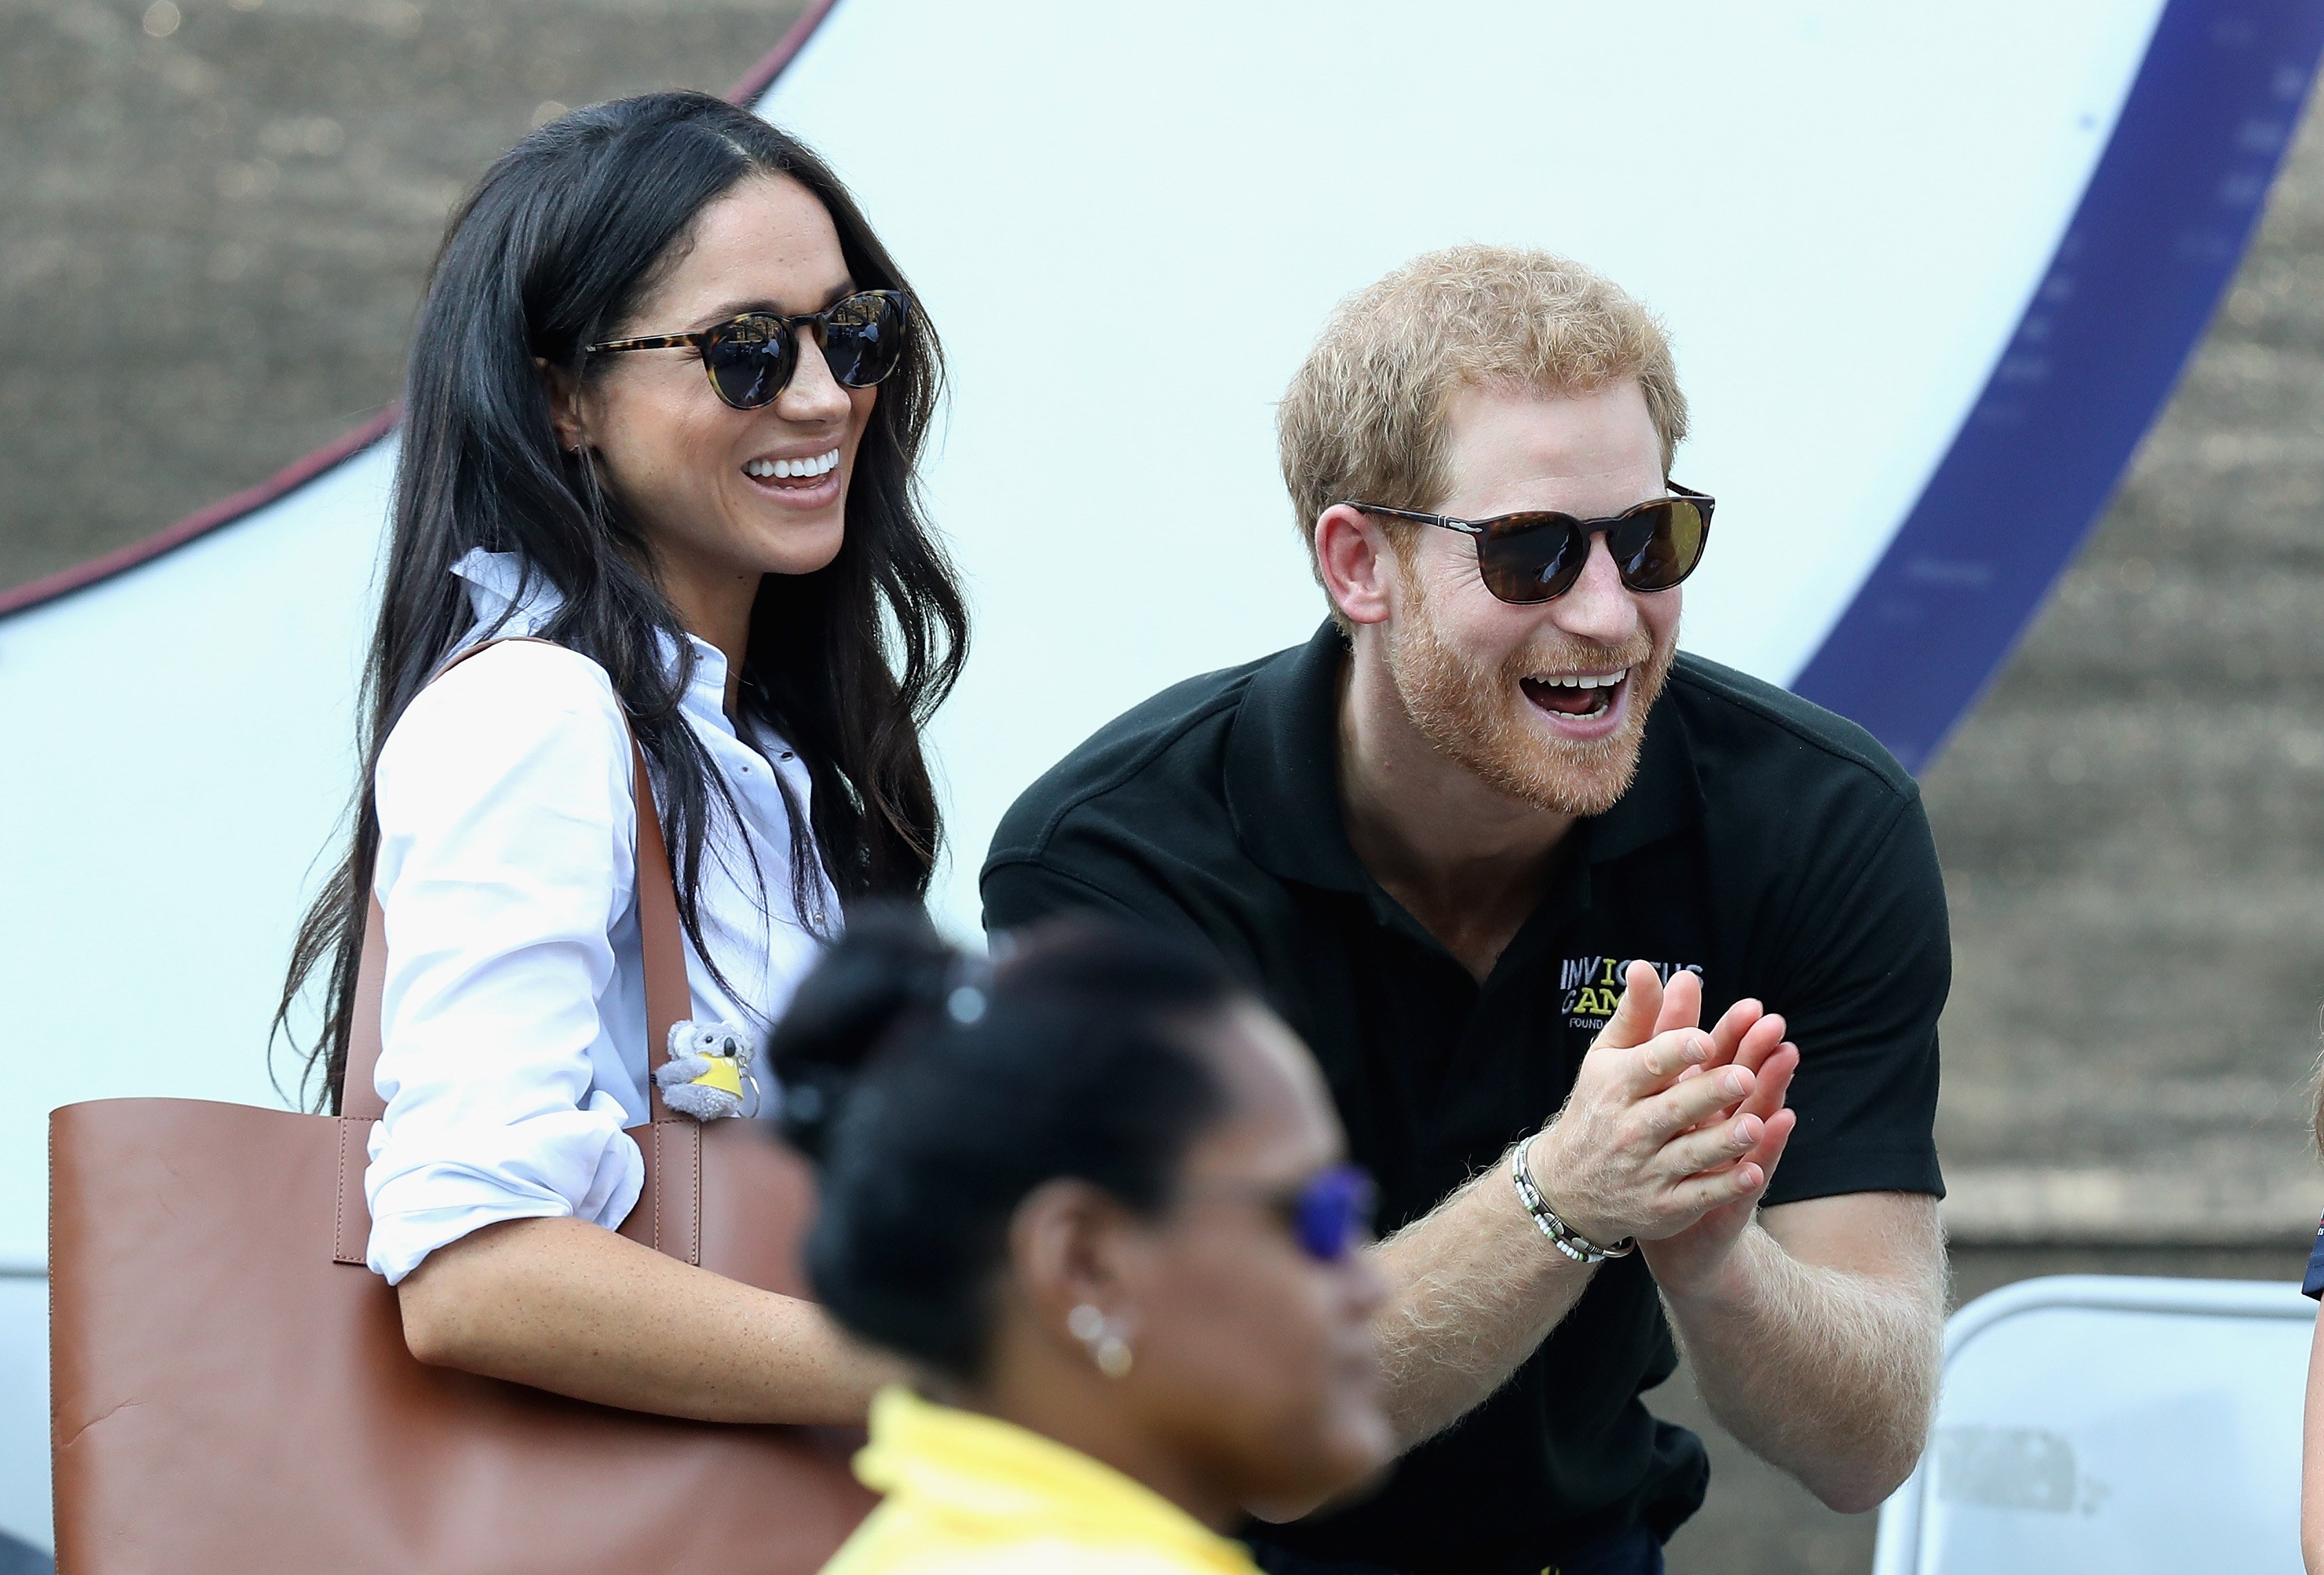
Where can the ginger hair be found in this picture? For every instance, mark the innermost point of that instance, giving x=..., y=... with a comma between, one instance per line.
x=1364, y=416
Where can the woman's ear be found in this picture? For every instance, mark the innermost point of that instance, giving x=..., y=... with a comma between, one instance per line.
x=1067, y=1246
x=564, y=396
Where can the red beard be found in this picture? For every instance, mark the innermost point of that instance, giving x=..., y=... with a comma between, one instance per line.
x=1478, y=719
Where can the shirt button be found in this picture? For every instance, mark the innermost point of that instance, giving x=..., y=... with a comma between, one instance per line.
x=787, y=755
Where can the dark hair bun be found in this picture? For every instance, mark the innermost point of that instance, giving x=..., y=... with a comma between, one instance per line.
x=890, y=967
x=935, y=1092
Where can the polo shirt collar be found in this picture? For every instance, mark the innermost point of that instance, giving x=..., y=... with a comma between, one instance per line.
x=1282, y=775
x=1664, y=799
x=1282, y=769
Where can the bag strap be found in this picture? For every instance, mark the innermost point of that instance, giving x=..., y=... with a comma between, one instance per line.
x=670, y=997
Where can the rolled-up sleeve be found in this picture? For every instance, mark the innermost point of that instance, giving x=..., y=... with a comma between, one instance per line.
x=506, y=857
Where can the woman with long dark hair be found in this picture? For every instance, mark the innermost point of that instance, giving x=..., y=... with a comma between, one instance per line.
x=1096, y=1199
x=665, y=401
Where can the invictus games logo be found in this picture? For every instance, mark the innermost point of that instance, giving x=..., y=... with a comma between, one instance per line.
x=1592, y=987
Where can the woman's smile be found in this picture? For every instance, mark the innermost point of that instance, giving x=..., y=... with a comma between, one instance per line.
x=726, y=494
x=808, y=481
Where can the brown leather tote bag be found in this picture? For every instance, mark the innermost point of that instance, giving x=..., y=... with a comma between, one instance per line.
x=231, y=1393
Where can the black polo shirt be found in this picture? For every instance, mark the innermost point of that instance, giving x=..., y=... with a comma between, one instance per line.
x=1766, y=844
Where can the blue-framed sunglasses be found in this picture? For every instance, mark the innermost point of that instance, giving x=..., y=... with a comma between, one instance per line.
x=1329, y=1214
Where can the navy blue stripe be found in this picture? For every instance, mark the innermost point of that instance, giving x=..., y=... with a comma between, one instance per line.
x=2156, y=240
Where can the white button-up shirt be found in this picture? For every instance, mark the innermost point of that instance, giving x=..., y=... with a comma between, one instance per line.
x=513, y=1036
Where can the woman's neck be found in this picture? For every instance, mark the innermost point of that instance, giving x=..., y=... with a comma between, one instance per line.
x=714, y=606
x=1082, y=1412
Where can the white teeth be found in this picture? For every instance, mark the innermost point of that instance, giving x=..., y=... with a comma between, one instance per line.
x=821, y=465
x=1583, y=680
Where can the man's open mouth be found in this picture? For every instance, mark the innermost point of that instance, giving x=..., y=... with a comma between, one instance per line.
x=1580, y=696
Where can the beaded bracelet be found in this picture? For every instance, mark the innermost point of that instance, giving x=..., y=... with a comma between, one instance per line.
x=1562, y=1236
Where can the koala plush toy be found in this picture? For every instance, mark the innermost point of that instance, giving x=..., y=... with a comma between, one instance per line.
x=708, y=1065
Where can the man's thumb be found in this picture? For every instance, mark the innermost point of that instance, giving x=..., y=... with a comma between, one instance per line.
x=1633, y=1022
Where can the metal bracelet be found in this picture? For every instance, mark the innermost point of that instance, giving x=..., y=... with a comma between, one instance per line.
x=1562, y=1236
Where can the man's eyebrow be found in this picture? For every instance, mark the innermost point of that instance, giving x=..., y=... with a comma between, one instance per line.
x=727, y=311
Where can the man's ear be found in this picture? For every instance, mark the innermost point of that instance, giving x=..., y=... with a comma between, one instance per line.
x=564, y=396
x=1356, y=562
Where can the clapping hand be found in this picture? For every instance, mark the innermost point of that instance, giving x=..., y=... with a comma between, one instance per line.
x=1672, y=1132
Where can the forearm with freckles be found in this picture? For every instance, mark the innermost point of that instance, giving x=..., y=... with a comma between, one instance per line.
x=1827, y=1369
x=1476, y=1291
x=566, y=1306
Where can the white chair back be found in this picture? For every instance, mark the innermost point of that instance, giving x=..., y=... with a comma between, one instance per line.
x=23, y=1409
x=2094, y=1423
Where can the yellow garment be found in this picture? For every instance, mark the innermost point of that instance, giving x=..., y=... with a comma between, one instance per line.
x=968, y=1494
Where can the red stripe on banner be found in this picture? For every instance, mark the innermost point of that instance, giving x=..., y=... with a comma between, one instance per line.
x=225, y=512
x=298, y=473
x=761, y=77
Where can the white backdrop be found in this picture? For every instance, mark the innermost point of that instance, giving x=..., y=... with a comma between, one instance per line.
x=1127, y=226
x=1129, y=230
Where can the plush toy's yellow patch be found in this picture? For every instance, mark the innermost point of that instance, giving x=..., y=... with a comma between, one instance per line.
x=724, y=1073
x=708, y=1064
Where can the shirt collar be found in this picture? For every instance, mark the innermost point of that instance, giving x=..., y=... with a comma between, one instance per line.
x=981, y=1470
x=1663, y=799
x=511, y=601
x=1282, y=769
x=1282, y=775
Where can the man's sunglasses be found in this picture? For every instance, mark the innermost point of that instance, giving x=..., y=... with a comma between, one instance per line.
x=751, y=358
x=1329, y=1214
x=1536, y=556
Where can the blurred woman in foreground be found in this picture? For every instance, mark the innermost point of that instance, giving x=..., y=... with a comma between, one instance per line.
x=1097, y=1198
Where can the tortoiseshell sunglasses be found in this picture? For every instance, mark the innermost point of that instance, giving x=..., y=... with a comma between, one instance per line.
x=751, y=358
x=1536, y=556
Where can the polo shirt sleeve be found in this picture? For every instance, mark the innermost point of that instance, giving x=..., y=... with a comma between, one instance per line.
x=1860, y=979
x=1084, y=874
x=1094, y=858
x=1022, y=891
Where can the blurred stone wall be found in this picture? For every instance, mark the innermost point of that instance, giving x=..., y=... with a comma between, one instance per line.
x=216, y=216
x=2132, y=821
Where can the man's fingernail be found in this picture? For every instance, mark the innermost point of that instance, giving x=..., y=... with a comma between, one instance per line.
x=1698, y=1048
x=1731, y=1082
